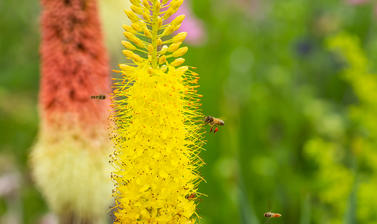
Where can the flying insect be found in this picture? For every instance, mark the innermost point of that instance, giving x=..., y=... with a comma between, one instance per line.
x=214, y=123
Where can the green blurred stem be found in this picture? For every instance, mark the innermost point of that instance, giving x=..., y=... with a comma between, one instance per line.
x=306, y=210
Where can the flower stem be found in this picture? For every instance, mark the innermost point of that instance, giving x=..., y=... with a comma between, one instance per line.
x=154, y=22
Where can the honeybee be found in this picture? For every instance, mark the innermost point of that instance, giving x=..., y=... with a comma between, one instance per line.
x=213, y=122
x=272, y=215
x=190, y=196
x=99, y=97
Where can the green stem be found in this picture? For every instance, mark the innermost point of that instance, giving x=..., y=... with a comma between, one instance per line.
x=154, y=22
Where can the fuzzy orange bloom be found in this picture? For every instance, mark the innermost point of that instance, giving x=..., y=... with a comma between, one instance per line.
x=69, y=160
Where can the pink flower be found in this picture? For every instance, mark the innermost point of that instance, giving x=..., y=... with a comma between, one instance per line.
x=357, y=2
x=194, y=27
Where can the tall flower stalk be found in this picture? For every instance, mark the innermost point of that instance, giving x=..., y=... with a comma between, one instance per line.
x=157, y=121
x=69, y=160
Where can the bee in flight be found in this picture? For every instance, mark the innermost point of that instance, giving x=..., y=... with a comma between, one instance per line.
x=99, y=97
x=271, y=215
x=213, y=122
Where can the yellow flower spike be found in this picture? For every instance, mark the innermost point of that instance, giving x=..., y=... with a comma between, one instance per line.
x=134, y=39
x=180, y=37
x=150, y=48
x=182, y=70
x=163, y=50
x=173, y=47
x=162, y=59
x=178, y=62
x=157, y=127
x=131, y=15
x=129, y=29
x=146, y=16
x=169, y=13
x=169, y=30
x=157, y=5
x=159, y=22
x=147, y=33
x=177, y=27
x=128, y=45
x=137, y=9
x=131, y=55
x=180, y=52
x=164, y=68
x=176, y=4
x=178, y=20
x=126, y=68
x=135, y=2
x=159, y=42
x=146, y=4
x=194, y=74
x=136, y=26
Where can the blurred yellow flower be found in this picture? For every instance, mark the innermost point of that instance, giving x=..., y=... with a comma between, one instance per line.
x=336, y=175
x=363, y=114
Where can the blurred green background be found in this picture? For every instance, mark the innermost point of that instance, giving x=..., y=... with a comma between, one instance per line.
x=295, y=139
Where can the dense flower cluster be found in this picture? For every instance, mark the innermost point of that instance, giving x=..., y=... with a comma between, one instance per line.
x=157, y=121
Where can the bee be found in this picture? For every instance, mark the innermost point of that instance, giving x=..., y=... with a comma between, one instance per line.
x=272, y=215
x=99, y=97
x=213, y=122
x=190, y=196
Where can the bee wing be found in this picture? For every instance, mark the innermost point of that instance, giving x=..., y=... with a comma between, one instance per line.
x=221, y=119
